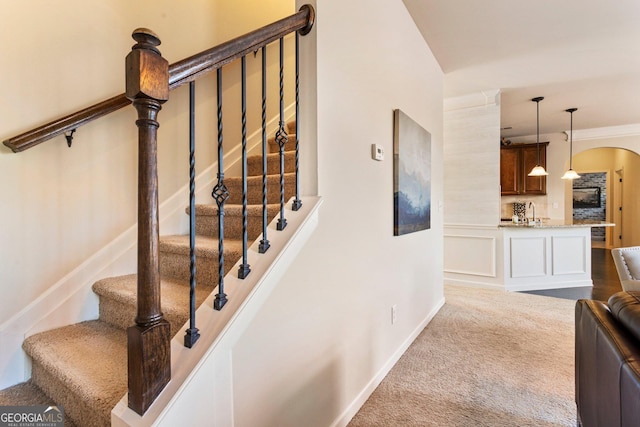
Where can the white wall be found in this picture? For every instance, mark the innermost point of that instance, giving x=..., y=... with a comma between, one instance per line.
x=471, y=160
x=324, y=336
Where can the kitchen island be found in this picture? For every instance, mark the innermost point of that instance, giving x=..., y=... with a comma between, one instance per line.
x=547, y=255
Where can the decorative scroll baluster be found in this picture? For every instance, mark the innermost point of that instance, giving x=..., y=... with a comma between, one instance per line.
x=297, y=203
x=264, y=243
x=220, y=193
x=149, y=340
x=281, y=139
x=244, y=269
x=192, y=334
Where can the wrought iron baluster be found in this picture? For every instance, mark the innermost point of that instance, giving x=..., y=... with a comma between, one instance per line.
x=264, y=243
x=244, y=269
x=192, y=333
x=220, y=193
x=297, y=203
x=281, y=139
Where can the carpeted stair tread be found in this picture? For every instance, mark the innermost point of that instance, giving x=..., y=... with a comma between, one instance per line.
x=255, y=167
x=118, y=300
x=28, y=394
x=24, y=394
x=86, y=363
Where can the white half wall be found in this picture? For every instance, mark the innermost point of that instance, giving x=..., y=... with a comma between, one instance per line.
x=473, y=255
x=546, y=258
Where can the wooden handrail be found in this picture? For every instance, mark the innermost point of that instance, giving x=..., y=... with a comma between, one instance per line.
x=180, y=73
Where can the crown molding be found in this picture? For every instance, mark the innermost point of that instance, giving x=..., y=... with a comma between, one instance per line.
x=480, y=99
x=605, y=132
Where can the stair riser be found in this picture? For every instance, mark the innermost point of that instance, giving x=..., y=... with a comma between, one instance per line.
x=254, y=190
x=254, y=164
x=208, y=226
x=74, y=406
x=290, y=145
x=122, y=315
x=177, y=266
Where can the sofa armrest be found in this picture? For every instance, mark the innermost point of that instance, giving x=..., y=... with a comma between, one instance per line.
x=630, y=285
x=607, y=368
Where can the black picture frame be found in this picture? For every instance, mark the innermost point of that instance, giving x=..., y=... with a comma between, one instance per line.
x=587, y=197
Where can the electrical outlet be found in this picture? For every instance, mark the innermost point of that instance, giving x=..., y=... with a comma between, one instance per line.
x=393, y=314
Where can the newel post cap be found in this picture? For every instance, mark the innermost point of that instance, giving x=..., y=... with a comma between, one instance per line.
x=146, y=70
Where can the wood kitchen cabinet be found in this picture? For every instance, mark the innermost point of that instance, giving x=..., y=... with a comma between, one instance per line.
x=516, y=161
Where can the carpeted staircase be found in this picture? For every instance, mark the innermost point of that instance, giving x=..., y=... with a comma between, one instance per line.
x=83, y=367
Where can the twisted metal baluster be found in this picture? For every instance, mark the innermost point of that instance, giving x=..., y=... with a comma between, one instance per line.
x=192, y=334
x=297, y=203
x=264, y=243
x=244, y=269
x=220, y=193
x=281, y=139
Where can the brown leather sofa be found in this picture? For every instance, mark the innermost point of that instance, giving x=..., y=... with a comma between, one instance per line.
x=608, y=361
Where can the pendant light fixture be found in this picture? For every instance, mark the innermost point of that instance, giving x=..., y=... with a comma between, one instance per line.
x=571, y=174
x=538, y=170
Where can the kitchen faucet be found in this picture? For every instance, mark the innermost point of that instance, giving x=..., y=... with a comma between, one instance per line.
x=534, y=210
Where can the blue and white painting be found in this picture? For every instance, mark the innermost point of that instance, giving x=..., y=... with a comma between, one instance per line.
x=412, y=175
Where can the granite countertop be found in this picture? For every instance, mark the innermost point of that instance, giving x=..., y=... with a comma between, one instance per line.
x=554, y=223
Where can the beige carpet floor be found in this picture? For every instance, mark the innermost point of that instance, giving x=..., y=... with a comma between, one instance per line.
x=20, y=394
x=488, y=358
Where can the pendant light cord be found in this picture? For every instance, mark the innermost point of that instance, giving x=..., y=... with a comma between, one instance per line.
x=571, y=111
x=538, y=129
x=537, y=101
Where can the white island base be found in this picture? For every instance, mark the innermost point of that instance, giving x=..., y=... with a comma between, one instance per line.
x=518, y=257
x=537, y=258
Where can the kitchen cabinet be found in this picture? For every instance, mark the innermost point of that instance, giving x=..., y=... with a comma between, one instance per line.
x=516, y=161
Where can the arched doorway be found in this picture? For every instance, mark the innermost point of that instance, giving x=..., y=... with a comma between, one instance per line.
x=622, y=204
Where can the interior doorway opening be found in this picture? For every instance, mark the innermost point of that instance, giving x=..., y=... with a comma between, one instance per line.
x=619, y=195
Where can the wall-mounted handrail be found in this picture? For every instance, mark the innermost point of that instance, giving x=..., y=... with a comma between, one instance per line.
x=180, y=73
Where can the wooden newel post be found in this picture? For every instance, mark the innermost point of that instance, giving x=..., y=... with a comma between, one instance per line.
x=149, y=340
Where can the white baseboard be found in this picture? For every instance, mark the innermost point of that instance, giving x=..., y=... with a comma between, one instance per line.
x=473, y=283
x=546, y=286
x=362, y=397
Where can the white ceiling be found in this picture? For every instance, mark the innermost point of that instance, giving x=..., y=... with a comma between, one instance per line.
x=574, y=53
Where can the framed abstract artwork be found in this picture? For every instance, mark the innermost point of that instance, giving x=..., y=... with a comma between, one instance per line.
x=412, y=175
